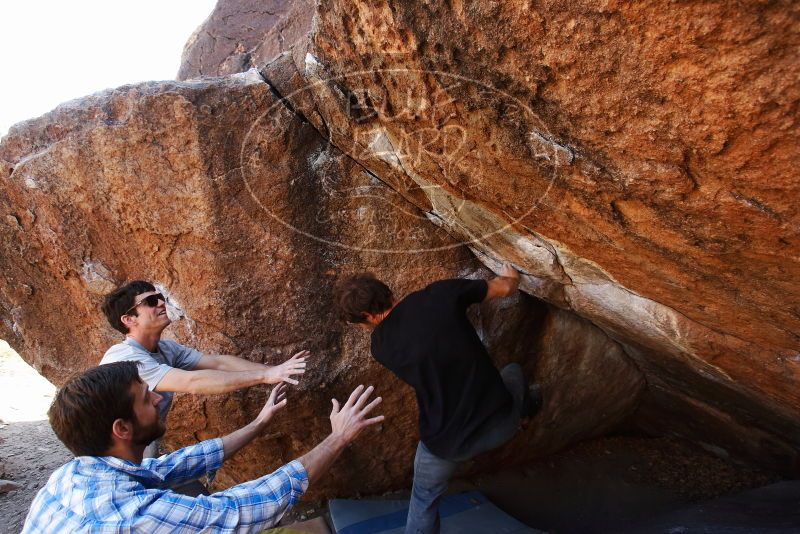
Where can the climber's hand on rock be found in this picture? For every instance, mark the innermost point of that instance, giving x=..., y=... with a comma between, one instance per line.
x=504, y=284
x=349, y=420
x=296, y=365
x=508, y=271
x=275, y=403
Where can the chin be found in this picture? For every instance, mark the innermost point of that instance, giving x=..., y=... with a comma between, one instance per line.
x=146, y=435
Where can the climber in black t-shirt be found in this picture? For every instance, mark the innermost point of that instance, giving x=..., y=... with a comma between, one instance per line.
x=466, y=406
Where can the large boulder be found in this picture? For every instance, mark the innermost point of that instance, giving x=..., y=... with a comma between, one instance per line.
x=638, y=161
x=244, y=215
x=241, y=34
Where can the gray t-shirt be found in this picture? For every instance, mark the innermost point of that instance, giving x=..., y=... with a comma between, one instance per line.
x=154, y=365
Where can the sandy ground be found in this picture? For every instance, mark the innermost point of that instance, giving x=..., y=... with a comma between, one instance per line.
x=29, y=451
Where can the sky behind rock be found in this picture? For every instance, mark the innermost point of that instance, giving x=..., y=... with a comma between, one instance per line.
x=54, y=51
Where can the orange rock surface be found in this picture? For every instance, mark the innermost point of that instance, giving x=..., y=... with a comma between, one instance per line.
x=638, y=161
x=244, y=215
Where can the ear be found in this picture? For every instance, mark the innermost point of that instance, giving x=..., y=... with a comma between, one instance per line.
x=369, y=321
x=122, y=429
x=128, y=320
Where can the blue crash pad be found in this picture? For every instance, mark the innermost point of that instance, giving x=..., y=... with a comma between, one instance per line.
x=465, y=512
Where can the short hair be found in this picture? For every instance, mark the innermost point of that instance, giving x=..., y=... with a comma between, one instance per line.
x=84, y=410
x=121, y=300
x=359, y=294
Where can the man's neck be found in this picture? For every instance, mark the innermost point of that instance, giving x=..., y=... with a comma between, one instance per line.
x=378, y=318
x=148, y=340
x=133, y=453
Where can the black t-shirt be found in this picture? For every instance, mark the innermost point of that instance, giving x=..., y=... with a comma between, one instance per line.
x=429, y=343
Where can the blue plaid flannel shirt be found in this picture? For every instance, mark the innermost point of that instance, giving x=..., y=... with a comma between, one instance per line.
x=107, y=494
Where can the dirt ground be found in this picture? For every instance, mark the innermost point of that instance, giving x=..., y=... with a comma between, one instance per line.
x=29, y=451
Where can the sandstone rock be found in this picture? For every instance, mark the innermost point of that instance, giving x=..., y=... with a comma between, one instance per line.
x=584, y=376
x=244, y=33
x=243, y=215
x=638, y=161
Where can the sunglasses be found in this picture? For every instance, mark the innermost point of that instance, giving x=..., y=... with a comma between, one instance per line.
x=150, y=300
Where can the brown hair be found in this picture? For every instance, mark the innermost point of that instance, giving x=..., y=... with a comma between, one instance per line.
x=85, y=409
x=359, y=294
x=121, y=300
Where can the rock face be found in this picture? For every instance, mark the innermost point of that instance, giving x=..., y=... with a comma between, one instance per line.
x=245, y=215
x=244, y=33
x=637, y=161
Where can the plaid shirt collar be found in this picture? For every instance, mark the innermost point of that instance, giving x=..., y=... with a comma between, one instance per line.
x=139, y=471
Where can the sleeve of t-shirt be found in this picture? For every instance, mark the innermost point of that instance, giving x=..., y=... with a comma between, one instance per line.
x=180, y=357
x=463, y=290
x=149, y=369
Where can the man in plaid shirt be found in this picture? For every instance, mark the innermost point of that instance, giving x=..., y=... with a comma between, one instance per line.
x=108, y=415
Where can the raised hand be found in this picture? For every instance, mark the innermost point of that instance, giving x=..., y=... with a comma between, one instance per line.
x=508, y=271
x=275, y=403
x=349, y=420
x=296, y=365
x=239, y=438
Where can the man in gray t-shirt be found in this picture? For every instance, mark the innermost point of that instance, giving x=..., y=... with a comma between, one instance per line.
x=140, y=312
x=153, y=366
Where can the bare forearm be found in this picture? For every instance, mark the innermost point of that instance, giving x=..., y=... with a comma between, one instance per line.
x=319, y=459
x=210, y=381
x=271, y=374
x=225, y=362
x=238, y=439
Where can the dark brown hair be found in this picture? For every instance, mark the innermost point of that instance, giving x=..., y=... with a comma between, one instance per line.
x=121, y=300
x=85, y=409
x=360, y=294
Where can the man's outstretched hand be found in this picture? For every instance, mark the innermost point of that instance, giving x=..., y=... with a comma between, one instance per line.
x=275, y=403
x=296, y=365
x=349, y=420
x=239, y=438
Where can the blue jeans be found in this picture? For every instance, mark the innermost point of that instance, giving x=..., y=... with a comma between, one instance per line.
x=432, y=474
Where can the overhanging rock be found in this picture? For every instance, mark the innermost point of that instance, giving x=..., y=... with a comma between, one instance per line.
x=638, y=162
x=244, y=216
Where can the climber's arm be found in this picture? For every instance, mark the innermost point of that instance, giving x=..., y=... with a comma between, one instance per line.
x=504, y=284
